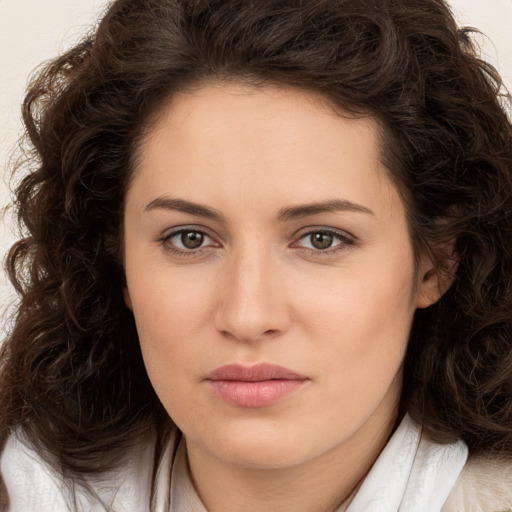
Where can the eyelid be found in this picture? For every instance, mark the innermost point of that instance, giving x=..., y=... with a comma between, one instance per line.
x=307, y=230
x=345, y=238
x=170, y=233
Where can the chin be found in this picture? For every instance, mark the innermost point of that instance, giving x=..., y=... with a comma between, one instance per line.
x=264, y=446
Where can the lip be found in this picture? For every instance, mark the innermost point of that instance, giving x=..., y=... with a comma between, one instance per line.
x=260, y=385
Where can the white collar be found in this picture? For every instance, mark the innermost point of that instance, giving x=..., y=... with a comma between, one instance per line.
x=412, y=474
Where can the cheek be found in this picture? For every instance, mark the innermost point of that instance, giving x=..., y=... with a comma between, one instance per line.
x=361, y=318
x=361, y=338
x=370, y=299
x=171, y=312
x=166, y=301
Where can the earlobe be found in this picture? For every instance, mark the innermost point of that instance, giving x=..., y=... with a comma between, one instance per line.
x=435, y=280
x=127, y=298
x=428, y=288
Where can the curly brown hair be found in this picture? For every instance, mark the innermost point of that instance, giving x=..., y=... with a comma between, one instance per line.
x=72, y=376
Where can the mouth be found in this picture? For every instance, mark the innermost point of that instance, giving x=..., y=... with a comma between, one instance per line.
x=254, y=386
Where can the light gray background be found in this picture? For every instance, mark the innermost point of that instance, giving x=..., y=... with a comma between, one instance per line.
x=32, y=31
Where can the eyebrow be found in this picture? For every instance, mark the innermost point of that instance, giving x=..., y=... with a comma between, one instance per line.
x=330, y=206
x=181, y=205
x=285, y=214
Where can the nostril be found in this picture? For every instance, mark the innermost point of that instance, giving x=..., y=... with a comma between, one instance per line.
x=249, y=309
x=244, y=335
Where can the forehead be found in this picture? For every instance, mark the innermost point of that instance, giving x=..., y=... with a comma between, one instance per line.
x=274, y=109
x=239, y=140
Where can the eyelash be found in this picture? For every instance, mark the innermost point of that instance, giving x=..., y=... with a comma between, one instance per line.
x=343, y=239
x=169, y=246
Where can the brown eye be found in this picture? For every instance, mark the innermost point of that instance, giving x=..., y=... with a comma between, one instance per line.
x=189, y=241
x=192, y=239
x=321, y=240
x=324, y=241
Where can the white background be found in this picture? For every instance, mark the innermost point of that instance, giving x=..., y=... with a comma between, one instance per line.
x=32, y=31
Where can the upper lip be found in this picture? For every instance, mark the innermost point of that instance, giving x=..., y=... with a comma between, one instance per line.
x=255, y=373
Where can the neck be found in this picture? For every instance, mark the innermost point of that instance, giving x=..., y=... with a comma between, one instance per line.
x=321, y=484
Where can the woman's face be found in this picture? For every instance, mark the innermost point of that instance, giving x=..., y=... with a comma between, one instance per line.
x=271, y=275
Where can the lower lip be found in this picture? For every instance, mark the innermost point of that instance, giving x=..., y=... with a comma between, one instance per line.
x=255, y=394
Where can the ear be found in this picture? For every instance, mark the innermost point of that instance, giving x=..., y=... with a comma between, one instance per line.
x=436, y=275
x=127, y=298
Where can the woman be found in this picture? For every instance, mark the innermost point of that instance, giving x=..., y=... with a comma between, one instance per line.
x=266, y=265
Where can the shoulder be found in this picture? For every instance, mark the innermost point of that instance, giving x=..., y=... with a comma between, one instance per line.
x=484, y=485
x=29, y=480
x=32, y=484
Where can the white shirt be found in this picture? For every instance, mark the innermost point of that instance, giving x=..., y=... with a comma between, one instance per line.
x=412, y=474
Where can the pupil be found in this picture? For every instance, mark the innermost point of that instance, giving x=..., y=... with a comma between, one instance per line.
x=192, y=239
x=321, y=240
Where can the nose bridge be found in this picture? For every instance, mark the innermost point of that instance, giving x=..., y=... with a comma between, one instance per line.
x=252, y=304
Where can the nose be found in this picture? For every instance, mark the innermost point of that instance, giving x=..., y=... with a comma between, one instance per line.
x=252, y=303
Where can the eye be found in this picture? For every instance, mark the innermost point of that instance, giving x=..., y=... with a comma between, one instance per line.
x=190, y=239
x=323, y=240
x=187, y=240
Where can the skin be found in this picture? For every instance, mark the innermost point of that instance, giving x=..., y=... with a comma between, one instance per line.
x=258, y=290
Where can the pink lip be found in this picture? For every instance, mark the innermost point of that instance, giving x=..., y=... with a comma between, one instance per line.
x=254, y=386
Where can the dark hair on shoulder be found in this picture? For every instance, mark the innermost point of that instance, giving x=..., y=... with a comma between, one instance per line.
x=72, y=375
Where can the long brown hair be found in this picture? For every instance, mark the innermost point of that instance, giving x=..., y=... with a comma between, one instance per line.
x=72, y=377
